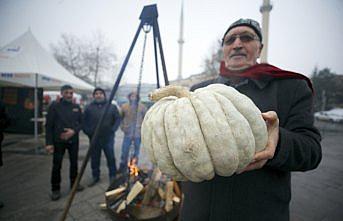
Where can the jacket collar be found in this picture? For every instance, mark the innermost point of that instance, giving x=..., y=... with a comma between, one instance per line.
x=261, y=83
x=99, y=102
x=65, y=102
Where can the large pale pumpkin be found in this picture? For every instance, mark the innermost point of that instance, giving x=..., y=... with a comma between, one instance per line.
x=193, y=135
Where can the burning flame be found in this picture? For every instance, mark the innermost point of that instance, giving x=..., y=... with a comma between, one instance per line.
x=133, y=167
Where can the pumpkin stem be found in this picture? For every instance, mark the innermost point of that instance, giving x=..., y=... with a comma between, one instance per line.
x=170, y=90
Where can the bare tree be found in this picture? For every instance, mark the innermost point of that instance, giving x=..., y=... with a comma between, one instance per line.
x=68, y=53
x=328, y=89
x=87, y=59
x=98, y=57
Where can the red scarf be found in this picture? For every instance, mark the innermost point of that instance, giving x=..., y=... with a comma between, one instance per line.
x=258, y=71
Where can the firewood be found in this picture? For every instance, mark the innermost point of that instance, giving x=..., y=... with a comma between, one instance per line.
x=161, y=193
x=177, y=189
x=169, y=196
x=176, y=199
x=115, y=202
x=121, y=207
x=152, y=186
x=113, y=194
x=103, y=206
x=135, y=190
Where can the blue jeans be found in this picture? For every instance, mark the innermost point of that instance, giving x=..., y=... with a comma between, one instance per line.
x=105, y=144
x=125, y=149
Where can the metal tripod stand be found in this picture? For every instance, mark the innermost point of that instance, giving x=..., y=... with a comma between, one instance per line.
x=148, y=17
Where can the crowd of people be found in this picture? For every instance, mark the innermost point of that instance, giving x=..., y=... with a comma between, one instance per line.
x=65, y=120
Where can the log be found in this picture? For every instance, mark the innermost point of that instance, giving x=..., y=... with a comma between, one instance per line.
x=135, y=190
x=103, y=206
x=152, y=186
x=113, y=194
x=121, y=207
x=161, y=193
x=176, y=199
x=113, y=204
x=177, y=189
x=169, y=196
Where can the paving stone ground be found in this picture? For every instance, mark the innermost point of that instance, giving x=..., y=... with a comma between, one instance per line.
x=24, y=184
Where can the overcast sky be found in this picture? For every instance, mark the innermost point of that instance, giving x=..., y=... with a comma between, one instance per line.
x=303, y=33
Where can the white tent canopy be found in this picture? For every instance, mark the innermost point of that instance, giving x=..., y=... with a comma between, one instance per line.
x=24, y=62
x=24, y=59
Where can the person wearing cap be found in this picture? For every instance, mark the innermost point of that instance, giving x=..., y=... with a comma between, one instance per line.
x=105, y=142
x=262, y=190
x=63, y=123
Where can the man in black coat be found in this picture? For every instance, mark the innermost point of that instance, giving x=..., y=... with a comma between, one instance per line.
x=105, y=142
x=4, y=122
x=261, y=191
x=63, y=124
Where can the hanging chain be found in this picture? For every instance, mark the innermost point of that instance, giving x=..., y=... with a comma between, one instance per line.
x=146, y=29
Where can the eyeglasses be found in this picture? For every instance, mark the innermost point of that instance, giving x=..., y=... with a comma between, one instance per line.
x=245, y=38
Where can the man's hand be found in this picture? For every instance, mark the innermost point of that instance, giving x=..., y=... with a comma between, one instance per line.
x=49, y=149
x=261, y=158
x=68, y=133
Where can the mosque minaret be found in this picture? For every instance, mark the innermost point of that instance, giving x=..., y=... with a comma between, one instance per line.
x=265, y=10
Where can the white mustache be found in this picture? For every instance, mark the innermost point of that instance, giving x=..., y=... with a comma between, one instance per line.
x=237, y=54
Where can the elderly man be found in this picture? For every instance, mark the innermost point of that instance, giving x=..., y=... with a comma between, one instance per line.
x=261, y=191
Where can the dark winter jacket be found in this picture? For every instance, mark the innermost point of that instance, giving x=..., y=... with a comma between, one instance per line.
x=92, y=116
x=62, y=115
x=262, y=194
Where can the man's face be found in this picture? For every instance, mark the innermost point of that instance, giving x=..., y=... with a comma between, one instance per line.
x=243, y=51
x=99, y=96
x=68, y=94
x=133, y=97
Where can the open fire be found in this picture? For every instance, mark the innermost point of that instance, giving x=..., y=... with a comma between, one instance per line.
x=132, y=165
x=143, y=195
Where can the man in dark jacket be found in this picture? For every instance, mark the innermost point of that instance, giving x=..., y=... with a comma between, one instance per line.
x=92, y=115
x=4, y=122
x=63, y=124
x=261, y=191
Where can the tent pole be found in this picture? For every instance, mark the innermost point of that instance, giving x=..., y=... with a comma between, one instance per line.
x=36, y=112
